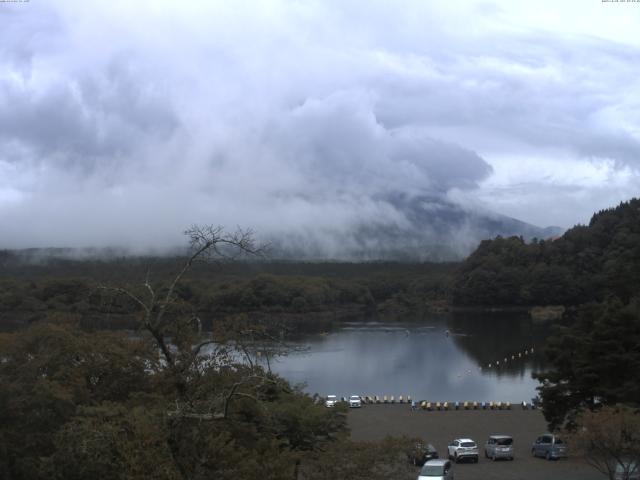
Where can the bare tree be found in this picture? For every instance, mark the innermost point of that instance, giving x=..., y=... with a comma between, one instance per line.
x=213, y=387
x=162, y=314
x=609, y=441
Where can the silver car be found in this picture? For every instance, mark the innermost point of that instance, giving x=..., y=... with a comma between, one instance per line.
x=436, y=470
x=499, y=446
x=330, y=401
x=550, y=447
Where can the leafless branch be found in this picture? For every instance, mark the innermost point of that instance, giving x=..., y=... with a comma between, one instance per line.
x=150, y=289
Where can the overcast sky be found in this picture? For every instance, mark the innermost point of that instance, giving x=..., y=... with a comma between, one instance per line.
x=123, y=122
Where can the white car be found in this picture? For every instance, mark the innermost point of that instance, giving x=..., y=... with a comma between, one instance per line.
x=355, y=401
x=462, y=448
x=331, y=401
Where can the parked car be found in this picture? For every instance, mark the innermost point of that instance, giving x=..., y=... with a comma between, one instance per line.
x=422, y=453
x=499, y=446
x=436, y=470
x=462, y=448
x=627, y=470
x=331, y=401
x=550, y=447
x=355, y=401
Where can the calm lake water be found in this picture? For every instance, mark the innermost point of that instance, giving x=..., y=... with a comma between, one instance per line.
x=420, y=359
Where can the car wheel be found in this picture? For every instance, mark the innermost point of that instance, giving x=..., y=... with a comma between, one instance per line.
x=475, y=460
x=455, y=457
x=485, y=454
x=494, y=457
x=548, y=456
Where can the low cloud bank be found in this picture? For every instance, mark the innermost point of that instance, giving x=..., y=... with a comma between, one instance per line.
x=324, y=134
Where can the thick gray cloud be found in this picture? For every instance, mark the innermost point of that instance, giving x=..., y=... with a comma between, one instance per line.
x=120, y=124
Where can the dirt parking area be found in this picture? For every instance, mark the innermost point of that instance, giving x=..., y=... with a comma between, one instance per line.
x=373, y=422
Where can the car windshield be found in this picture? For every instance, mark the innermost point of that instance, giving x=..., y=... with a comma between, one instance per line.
x=467, y=444
x=355, y=397
x=331, y=397
x=432, y=470
x=504, y=441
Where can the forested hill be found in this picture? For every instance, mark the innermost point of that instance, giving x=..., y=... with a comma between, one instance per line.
x=586, y=264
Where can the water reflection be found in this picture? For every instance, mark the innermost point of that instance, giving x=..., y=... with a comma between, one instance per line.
x=420, y=359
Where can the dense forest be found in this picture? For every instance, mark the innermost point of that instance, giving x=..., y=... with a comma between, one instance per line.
x=300, y=296
x=586, y=264
x=594, y=360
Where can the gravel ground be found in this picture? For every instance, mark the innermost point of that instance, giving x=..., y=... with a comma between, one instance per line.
x=373, y=422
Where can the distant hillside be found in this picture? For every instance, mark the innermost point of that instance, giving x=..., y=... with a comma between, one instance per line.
x=587, y=263
x=428, y=229
x=431, y=229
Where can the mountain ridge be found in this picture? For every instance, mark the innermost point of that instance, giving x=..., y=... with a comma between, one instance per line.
x=430, y=229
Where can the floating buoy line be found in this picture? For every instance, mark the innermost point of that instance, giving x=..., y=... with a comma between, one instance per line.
x=508, y=358
x=504, y=361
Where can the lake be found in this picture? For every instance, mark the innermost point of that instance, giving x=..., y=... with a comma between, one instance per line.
x=448, y=357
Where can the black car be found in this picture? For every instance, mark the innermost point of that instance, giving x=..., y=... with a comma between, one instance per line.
x=422, y=453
